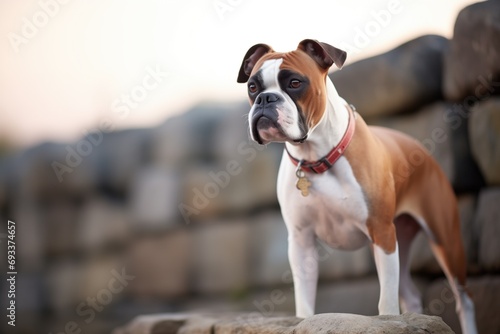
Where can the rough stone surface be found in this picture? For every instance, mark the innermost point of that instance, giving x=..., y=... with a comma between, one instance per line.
x=161, y=264
x=472, y=59
x=486, y=295
x=358, y=324
x=103, y=224
x=120, y=156
x=251, y=325
x=63, y=285
x=359, y=296
x=29, y=256
x=29, y=293
x=484, y=129
x=338, y=264
x=438, y=301
x=60, y=216
x=31, y=172
x=330, y=323
x=487, y=221
x=261, y=174
x=4, y=189
x=94, y=277
x=221, y=257
x=242, y=184
x=467, y=205
x=269, y=250
x=154, y=324
x=197, y=130
x=154, y=199
x=400, y=80
x=231, y=131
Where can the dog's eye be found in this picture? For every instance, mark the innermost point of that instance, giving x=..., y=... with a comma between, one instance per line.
x=252, y=88
x=295, y=83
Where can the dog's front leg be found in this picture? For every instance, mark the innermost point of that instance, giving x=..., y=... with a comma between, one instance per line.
x=388, y=275
x=303, y=258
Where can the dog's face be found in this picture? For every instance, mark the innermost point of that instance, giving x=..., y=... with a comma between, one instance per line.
x=287, y=91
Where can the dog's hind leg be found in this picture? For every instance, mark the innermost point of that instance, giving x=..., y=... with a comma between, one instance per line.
x=464, y=304
x=446, y=244
x=409, y=297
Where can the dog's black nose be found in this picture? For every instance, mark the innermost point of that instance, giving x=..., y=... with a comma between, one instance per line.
x=265, y=98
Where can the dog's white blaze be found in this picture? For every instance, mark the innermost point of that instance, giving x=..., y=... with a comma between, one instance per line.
x=288, y=116
x=270, y=69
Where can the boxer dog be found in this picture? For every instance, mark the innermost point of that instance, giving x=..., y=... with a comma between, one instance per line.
x=347, y=183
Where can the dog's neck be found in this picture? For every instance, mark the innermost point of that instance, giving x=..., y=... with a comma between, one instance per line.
x=328, y=132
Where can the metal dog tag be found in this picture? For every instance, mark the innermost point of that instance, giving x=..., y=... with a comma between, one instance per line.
x=303, y=182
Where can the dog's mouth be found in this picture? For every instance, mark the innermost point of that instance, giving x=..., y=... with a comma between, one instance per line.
x=266, y=130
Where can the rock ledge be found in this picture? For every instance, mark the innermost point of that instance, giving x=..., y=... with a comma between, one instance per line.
x=251, y=323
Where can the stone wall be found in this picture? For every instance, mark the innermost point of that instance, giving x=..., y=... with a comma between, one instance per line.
x=184, y=217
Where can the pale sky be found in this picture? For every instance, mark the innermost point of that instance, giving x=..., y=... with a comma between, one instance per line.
x=68, y=66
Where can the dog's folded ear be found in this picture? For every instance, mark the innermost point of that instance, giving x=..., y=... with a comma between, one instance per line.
x=251, y=57
x=324, y=54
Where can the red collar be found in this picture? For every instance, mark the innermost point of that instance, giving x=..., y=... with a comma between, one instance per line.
x=325, y=163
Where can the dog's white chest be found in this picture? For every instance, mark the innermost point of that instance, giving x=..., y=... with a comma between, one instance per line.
x=335, y=209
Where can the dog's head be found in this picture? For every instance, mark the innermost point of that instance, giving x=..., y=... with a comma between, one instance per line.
x=287, y=91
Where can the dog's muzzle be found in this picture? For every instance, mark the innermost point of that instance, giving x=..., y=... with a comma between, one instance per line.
x=265, y=115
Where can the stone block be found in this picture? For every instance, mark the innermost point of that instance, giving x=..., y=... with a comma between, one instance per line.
x=154, y=197
x=485, y=291
x=64, y=287
x=161, y=264
x=400, y=80
x=269, y=250
x=330, y=323
x=195, y=135
x=471, y=64
x=103, y=224
x=221, y=257
x=356, y=324
x=211, y=191
x=60, y=218
x=484, y=129
x=232, y=187
x=121, y=155
x=487, y=222
x=32, y=238
x=359, y=296
x=98, y=280
x=337, y=264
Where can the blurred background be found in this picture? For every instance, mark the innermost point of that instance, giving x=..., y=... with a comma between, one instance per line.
x=120, y=122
